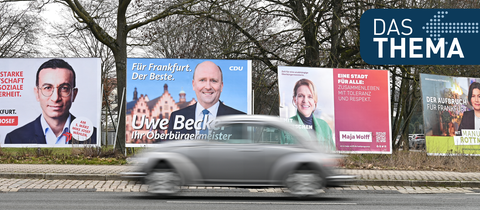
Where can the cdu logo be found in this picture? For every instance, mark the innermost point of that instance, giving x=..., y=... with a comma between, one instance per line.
x=236, y=68
x=420, y=36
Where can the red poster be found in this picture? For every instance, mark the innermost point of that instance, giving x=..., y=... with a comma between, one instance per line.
x=362, y=117
x=348, y=109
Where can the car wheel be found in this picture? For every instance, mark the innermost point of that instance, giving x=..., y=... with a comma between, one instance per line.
x=302, y=183
x=163, y=182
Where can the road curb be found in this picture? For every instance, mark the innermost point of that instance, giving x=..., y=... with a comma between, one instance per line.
x=415, y=183
x=61, y=176
x=22, y=175
x=113, y=177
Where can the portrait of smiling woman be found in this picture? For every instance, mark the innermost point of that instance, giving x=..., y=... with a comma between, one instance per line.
x=471, y=119
x=305, y=100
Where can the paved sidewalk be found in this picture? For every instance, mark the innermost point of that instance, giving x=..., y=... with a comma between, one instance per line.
x=364, y=177
x=44, y=185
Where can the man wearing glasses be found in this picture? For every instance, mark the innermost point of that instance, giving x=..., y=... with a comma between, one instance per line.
x=55, y=91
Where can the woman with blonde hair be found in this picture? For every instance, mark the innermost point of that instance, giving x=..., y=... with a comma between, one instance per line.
x=305, y=100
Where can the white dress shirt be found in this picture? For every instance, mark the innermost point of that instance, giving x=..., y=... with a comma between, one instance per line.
x=50, y=136
x=211, y=115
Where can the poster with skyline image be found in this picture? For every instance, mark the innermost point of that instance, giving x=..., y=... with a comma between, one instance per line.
x=162, y=96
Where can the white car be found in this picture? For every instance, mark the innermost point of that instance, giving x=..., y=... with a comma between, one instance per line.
x=243, y=151
x=416, y=141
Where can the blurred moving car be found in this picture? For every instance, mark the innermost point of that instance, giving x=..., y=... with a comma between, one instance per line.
x=416, y=141
x=242, y=151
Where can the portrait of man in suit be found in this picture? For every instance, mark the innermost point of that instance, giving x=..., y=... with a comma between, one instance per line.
x=208, y=84
x=55, y=90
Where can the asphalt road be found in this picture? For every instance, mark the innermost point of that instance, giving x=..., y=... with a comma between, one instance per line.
x=334, y=199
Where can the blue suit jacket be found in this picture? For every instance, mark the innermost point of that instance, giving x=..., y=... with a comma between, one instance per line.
x=189, y=113
x=32, y=133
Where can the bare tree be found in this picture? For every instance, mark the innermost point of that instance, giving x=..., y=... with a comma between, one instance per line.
x=191, y=37
x=203, y=37
x=317, y=33
x=19, y=31
x=70, y=39
x=130, y=17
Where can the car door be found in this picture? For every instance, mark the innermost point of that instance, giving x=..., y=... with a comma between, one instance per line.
x=248, y=155
x=235, y=157
x=276, y=143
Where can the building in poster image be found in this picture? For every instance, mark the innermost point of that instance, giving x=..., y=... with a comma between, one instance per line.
x=50, y=102
x=166, y=98
x=347, y=109
x=451, y=106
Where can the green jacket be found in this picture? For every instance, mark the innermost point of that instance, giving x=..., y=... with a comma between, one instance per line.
x=322, y=131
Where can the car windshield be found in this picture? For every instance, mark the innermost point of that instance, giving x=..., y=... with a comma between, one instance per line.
x=250, y=133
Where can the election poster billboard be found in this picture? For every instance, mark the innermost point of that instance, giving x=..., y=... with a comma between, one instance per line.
x=170, y=99
x=50, y=102
x=348, y=110
x=451, y=109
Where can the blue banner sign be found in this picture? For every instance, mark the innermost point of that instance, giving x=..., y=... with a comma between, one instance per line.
x=420, y=36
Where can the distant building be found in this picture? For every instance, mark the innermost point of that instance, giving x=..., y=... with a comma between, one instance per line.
x=156, y=109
